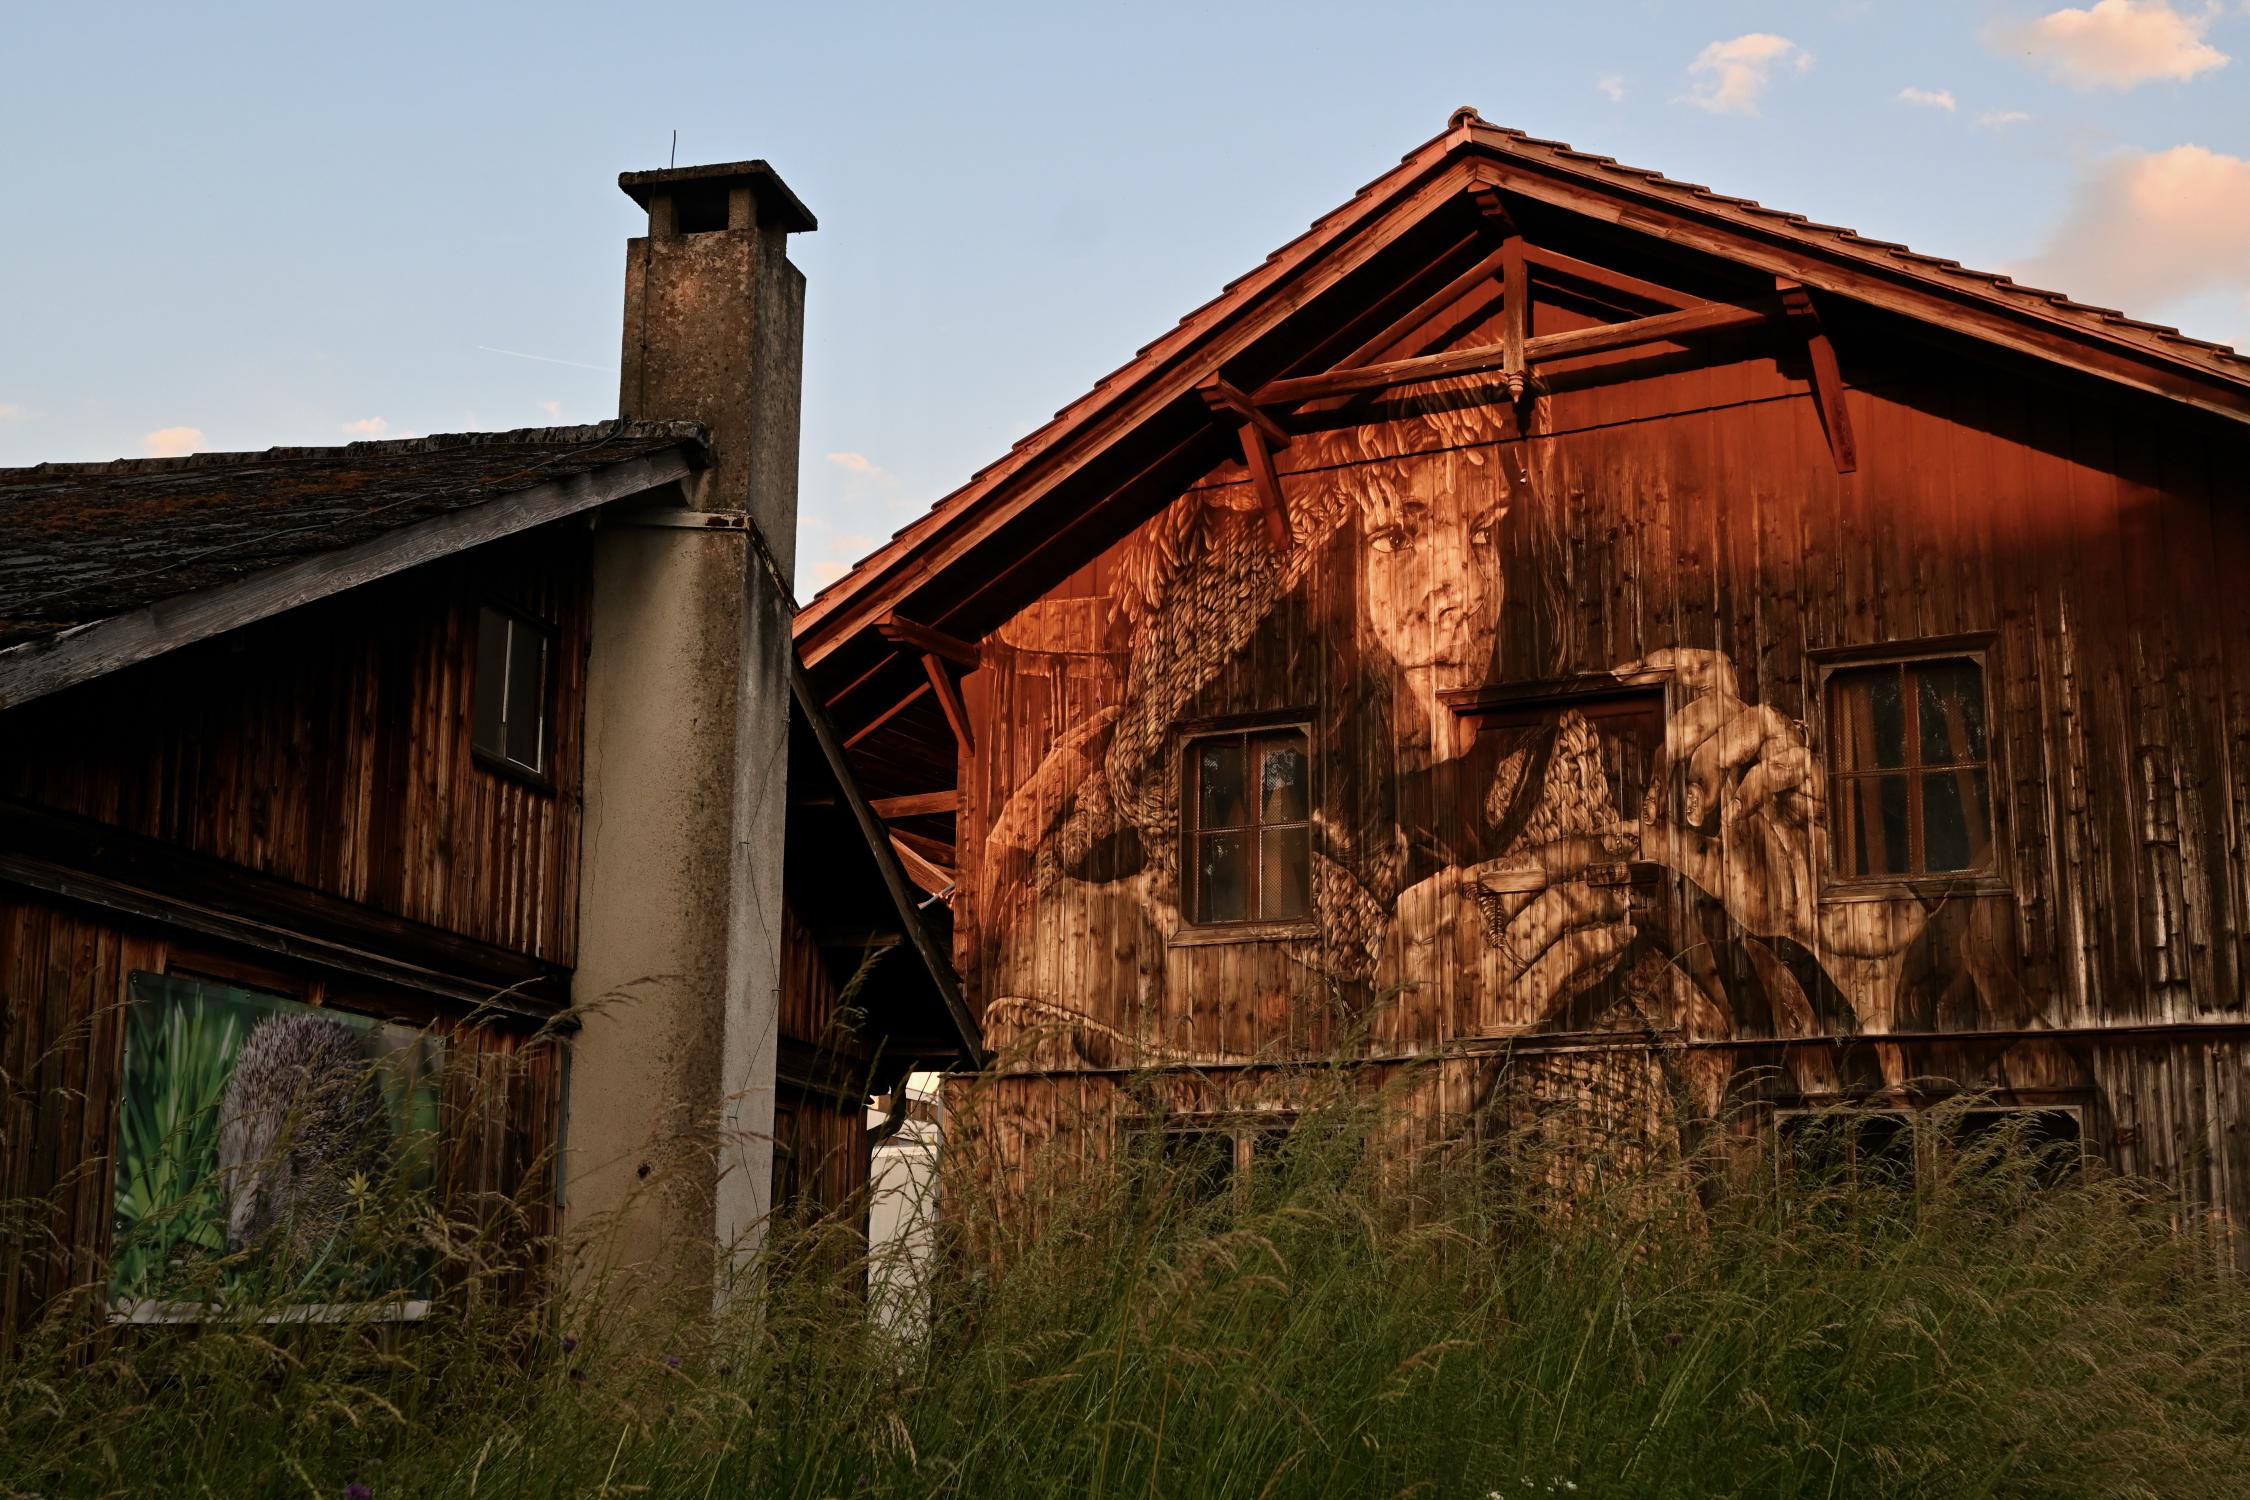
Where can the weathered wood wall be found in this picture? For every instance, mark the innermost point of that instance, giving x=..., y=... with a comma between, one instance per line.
x=331, y=747
x=820, y=1112
x=1677, y=520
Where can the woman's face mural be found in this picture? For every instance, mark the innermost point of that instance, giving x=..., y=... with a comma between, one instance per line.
x=1430, y=588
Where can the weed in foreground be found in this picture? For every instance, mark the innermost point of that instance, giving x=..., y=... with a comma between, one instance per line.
x=1344, y=1322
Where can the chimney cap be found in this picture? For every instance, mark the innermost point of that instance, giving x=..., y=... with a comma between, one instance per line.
x=778, y=208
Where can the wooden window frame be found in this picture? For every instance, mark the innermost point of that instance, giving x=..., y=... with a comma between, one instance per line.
x=1838, y=884
x=538, y=777
x=1192, y=929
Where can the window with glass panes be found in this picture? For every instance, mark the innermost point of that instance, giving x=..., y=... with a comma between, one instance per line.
x=1910, y=775
x=511, y=690
x=1249, y=827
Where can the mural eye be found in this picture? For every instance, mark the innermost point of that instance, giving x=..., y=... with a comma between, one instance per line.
x=1391, y=538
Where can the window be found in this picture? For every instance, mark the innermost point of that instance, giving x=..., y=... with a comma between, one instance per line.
x=1210, y=1157
x=1898, y=1148
x=1249, y=832
x=1910, y=780
x=511, y=690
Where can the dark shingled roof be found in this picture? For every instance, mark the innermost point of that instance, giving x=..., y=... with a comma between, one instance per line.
x=83, y=542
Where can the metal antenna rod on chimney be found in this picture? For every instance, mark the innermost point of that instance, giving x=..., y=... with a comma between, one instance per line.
x=675, y=161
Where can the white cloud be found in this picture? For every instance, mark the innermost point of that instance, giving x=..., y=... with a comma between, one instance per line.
x=367, y=427
x=173, y=442
x=2147, y=227
x=2114, y=44
x=12, y=412
x=1612, y=86
x=1726, y=78
x=2000, y=119
x=856, y=463
x=553, y=409
x=1932, y=98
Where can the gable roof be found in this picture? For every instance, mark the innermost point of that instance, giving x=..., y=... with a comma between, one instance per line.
x=1828, y=258
x=92, y=554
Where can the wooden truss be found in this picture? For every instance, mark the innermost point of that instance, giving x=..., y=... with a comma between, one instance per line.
x=1383, y=347
x=1365, y=357
x=938, y=649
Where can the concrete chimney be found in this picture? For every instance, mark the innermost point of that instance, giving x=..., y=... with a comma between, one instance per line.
x=715, y=328
x=687, y=721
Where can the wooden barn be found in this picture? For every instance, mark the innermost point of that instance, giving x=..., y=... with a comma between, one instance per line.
x=482, y=761
x=1580, y=639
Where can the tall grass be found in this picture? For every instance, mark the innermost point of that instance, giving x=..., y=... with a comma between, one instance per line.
x=1345, y=1323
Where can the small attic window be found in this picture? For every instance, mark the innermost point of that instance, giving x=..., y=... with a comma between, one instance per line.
x=700, y=210
x=511, y=691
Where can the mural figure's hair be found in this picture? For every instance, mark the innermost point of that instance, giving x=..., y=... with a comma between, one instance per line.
x=1192, y=590
x=302, y=1113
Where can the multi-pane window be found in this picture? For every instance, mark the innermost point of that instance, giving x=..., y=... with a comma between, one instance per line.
x=1249, y=835
x=511, y=690
x=1910, y=775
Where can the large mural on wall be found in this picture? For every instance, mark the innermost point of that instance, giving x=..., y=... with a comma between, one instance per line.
x=1644, y=853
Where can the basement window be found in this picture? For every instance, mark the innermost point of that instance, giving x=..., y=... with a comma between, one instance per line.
x=511, y=690
x=1900, y=1148
x=1910, y=779
x=1247, y=807
x=1210, y=1157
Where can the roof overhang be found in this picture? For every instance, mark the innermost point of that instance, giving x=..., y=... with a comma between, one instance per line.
x=929, y=1022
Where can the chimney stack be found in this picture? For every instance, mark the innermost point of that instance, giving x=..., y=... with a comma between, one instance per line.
x=714, y=331
x=687, y=748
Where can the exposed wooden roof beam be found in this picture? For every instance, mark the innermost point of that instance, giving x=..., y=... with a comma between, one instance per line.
x=1261, y=434
x=918, y=805
x=1574, y=269
x=937, y=851
x=1433, y=306
x=949, y=699
x=886, y=715
x=932, y=878
x=899, y=630
x=1225, y=398
x=1709, y=317
x=1371, y=331
x=1827, y=380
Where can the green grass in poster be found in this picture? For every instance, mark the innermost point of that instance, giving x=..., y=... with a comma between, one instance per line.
x=256, y=1139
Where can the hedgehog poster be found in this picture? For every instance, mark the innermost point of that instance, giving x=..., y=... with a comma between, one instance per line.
x=271, y=1155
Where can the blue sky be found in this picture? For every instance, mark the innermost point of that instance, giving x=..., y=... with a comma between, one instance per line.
x=233, y=226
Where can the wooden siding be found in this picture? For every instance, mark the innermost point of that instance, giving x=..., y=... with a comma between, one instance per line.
x=64, y=973
x=1675, y=524
x=821, y=1157
x=332, y=748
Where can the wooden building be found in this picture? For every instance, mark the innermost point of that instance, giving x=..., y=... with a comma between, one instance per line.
x=1581, y=639
x=490, y=745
